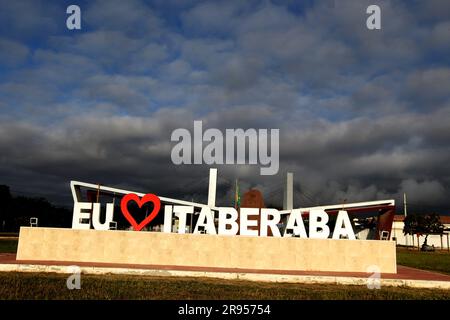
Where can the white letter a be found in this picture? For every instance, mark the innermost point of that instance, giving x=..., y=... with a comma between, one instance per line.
x=374, y=20
x=74, y=20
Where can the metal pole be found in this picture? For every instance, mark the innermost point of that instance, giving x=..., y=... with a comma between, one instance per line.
x=192, y=215
x=98, y=192
x=235, y=193
x=405, y=211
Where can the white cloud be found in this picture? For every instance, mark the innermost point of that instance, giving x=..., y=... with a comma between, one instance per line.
x=12, y=53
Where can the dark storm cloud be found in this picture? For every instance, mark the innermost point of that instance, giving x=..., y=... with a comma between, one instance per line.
x=429, y=87
x=362, y=115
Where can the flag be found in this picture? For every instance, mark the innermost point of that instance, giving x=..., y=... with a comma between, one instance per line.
x=237, y=196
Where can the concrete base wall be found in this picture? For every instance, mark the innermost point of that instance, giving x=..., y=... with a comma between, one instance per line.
x=155, y=248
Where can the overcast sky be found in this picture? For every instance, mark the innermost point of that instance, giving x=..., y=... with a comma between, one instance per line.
x=363, y=115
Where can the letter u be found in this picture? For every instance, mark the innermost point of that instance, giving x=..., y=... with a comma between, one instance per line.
x=96, y=216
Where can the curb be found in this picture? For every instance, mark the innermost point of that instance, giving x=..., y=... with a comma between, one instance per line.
x=226, y=275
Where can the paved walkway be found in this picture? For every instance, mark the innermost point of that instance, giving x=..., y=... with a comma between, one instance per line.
x=404, y=276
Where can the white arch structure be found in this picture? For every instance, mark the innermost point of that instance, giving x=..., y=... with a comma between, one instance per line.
x=76, y=185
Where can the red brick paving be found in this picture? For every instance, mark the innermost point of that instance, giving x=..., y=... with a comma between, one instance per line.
x=402, y=271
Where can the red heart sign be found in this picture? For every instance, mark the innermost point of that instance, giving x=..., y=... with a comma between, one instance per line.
x=140, y=201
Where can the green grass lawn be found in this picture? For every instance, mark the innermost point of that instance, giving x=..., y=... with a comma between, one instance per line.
x=435, y=261
x=9, y=234
x=8, y=245
x=53, y=286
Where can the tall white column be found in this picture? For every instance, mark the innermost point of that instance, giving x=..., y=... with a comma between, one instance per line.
x=212, y=187
x=288, y=201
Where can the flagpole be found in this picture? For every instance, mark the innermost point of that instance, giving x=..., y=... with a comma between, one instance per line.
x=236, y=194
x=192, y=216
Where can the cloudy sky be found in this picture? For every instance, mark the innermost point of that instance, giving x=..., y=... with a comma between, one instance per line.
x=363, y=115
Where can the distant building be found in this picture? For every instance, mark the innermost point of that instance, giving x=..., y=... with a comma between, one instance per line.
x=409, y=240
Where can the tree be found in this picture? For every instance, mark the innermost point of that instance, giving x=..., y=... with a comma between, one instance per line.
x=5, y=202
x=17, y=211
x=410, y=225
x=423, y=225
x=432, y=225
